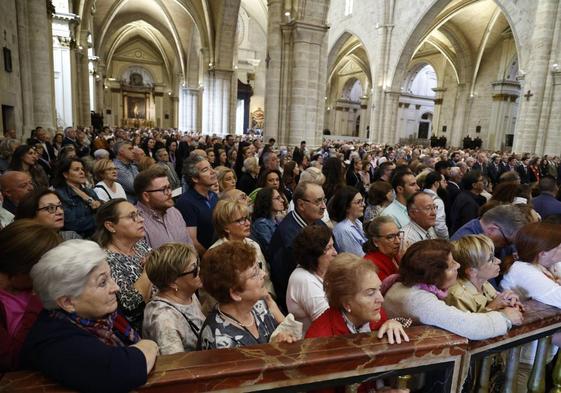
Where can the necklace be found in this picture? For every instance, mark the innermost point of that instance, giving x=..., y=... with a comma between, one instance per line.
x=228, y=316
x=129, y=252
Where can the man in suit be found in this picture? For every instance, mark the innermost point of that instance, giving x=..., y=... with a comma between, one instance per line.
x=41, y=137
x=493, y=169
x=453, y=190
x=545, y=203
x=522, y=169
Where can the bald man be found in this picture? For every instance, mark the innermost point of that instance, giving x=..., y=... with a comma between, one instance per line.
x=15, y=187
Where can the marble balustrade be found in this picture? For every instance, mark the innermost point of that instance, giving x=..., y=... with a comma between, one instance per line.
x=323, y=362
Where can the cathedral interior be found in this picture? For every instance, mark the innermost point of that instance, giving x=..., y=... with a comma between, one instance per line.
x=386, y=71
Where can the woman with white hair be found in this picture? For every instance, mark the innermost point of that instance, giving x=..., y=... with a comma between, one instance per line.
x=248, y=180
x=79, y=339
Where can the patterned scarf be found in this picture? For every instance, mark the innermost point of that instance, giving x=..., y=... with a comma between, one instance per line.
x=114, y=330
x=439, y=293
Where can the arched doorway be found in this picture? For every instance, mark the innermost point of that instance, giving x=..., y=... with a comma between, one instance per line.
x=477, y=90
x=348, y=86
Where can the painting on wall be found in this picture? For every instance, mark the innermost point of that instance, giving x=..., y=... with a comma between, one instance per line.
x=257, y=119
x=136, y=108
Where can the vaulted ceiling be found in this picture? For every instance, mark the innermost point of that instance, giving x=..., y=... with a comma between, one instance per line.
x=464, y=33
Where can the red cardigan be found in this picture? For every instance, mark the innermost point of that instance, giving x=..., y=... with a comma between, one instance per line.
x=331, y=323
x=385, y=264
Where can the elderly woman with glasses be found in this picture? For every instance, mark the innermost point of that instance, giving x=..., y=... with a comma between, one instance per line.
x=174, y=318
x=473, y=292
x=245, y=313
x=80, y=340
x=232, y=223
x=120, y=231
x=44, y=207
x=383, y=244
x=107, y=187
x=346, y=208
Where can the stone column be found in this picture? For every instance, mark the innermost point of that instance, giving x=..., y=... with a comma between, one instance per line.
x=553, y=134
x=273, y=61
x=296, y=75
x=25, y=66
x=437, y=108
x=188, y=110
x=461, y=108
x=363, y=114
x=505, y=94
x=391, y=104
x=217, y=101
x=529, y=126
x=41, y=64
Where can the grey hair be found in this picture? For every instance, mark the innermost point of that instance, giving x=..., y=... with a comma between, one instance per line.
x=7, y=147
x=312, y=175
x=249, y=162
x=300, y=191
x=67, y=130
x=508, y=218
x=190, y=169
x=65, y=270
x=266, y=157
x=117, y=147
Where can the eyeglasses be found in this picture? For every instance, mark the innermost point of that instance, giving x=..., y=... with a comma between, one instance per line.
x=391, y=236
x=359, y=202
x=134, y=216
x=241, y=221
x=503, y=234
x=317, y=202
x=426, y=209
x=255, y=271
x=194, y=272
x=165, y=190
x=51, y=209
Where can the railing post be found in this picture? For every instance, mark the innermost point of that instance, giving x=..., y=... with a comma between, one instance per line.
x=556, y=376
x=512, y=370
x=485, y=374
x=403, y=381
x=536, y=382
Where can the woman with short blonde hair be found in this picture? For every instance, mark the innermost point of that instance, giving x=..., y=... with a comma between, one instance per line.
x=232, y=223
x=107, y=188
x=226, y=178
x=473, y=292
x=174, y=318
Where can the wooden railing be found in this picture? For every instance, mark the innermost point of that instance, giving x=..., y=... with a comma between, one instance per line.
x=323, y=362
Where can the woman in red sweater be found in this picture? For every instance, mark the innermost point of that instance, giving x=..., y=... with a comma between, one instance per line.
x=382, y=246
x=352, y=288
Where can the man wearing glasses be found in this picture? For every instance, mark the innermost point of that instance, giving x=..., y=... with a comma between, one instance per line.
x=163, y=223
x=422, y=212
x=309, y=207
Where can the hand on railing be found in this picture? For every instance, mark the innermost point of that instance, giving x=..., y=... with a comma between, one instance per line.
x=394, y=330
x=283, y=337
x=513, y=314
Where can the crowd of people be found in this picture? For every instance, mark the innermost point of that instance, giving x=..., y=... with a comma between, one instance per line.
x=117, y=245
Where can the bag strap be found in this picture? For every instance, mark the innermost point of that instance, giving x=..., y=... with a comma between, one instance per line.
x=104, y=189
x=192, y=325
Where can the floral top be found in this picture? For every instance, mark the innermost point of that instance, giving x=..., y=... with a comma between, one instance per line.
x=219, y=332
x=371, y=212
x=126, y=270
x=175, y=327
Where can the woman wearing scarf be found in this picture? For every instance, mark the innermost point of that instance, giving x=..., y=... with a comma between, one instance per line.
x=79, y=339
x=426, y=271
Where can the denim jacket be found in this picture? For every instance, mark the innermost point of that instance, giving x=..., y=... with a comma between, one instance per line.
x=78, y=215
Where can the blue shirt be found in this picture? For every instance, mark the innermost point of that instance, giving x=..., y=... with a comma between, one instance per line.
x=197, y=212
x=472, y=227
x=546, y=205
x=349, y=237
x=398, y=211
